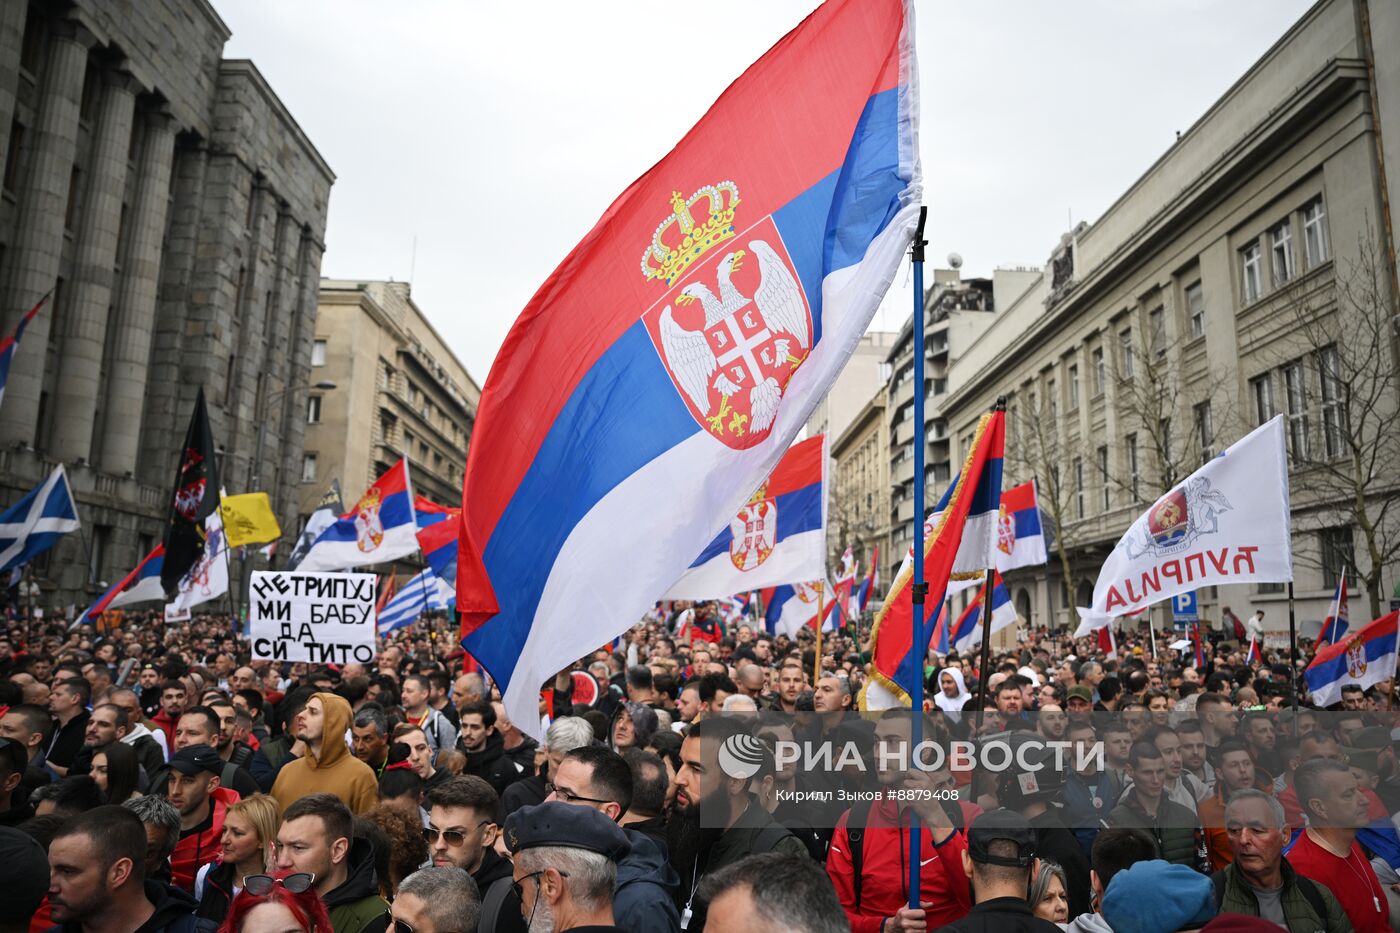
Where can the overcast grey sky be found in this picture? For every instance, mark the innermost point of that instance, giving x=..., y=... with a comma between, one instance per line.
x=497, y=133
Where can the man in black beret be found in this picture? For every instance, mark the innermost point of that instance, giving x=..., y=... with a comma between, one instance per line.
x=565, y=865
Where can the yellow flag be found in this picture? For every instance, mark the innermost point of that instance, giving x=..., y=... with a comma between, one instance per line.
x=248, y=519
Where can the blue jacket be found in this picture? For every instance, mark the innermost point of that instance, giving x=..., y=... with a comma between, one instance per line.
x=646, y=884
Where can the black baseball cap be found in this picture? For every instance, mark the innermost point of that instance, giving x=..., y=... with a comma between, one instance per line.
x=196, y=758
x=997, y=825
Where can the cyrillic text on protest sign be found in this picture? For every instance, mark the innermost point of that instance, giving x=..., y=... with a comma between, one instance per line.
x=320, y=618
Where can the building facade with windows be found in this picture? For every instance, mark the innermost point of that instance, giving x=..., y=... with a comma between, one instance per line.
x=398, y=391
x=175, y=212
x=1213, y=295
x=858, y=505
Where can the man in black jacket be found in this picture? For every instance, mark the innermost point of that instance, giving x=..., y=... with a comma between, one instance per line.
x=485, y=749
x=98, y=869
x=1000, y=860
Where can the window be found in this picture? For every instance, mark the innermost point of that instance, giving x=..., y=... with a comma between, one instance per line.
x=1125, y=347
x=1196, y=309
x=1334, y=416
x=308, y=468
x=1295, y=386
x=313, y=410
x=1281, y=253
x=1096, y=357
x=1205, y=431
x=1262, y=389
x=1053, y=397
x=1315, y=234
x=1074, y=388
x=407, y=442
x=75, y=184
x=1157, y=330
x=1079, y=487
x=101, y=541
x=1249, y=269
x=318, y=353
x=387, y=383
x=1130, y=447
x=12, y=155
x=1338, y=554
x=1103, y=478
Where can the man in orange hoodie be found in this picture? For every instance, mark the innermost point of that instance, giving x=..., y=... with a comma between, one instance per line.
x=328, y=766
x=193, y=789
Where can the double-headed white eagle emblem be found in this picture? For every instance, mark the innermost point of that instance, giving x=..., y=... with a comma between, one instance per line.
x=740, y=329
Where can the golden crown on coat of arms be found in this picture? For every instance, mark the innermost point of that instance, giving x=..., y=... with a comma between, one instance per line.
x=370, y=500
x=759, y=494
x=673, y=251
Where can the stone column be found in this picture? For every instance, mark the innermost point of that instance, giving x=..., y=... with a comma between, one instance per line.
x=43, y=201
x=135, y=306
x=308, y=284
x=89, y=298
x=12, y=17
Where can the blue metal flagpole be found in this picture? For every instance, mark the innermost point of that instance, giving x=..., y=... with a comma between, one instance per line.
x=920, y=588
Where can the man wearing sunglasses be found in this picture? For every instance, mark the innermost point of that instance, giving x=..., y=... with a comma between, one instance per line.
x=566, y=860
x=600, y=779
x=461, y=833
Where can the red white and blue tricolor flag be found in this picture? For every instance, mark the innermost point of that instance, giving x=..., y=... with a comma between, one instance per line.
x=1200, y=650
x=869, y=584
x=777, y=536
x=968, y=509
x=1020, y=539
x=663, y=369
x=1252, y=655
x=381, y=527
x=439, y=528
x=1338, y=617
x=967, y=634
x=10, y=344
x=1364, y=659
x=788, y=608
x=139, y=586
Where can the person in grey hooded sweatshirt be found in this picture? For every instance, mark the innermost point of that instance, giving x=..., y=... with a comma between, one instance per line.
x=597, y=777
x=1114, y=850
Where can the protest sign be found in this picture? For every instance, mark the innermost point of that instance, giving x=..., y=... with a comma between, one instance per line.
x=322, y=618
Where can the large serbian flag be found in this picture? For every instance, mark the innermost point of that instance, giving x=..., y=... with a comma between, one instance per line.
x=381, y=527
x=1226, y=523
x=777, y=536
x=662, y=371
x=1364, y=659
x=970, y=508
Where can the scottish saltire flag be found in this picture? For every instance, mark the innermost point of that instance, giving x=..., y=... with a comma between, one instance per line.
x=777, y=536
x=414, y=598
x=968, y=631
x=788, y=608
x=139, y=586
x=870, y=584
x=9, y=344
x=381, y=527
x=35, y=523
x=327, y=513
x=1365, y=659
x=208, y=578
x=1338, y=617
x=970, y=507
x=664, y=368
x=1226, y=523
x=1020, y=539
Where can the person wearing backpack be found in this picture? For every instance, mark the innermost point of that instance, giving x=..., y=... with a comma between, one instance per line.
x=1260, y=882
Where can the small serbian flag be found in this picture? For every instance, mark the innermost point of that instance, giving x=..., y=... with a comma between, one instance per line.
x=778, y=536
x=141, y=585
x=1108, y=644
x=1020, y=539
x=1338, y=618
x=11, y=343
x=967, y=633
x=788, y=608
x=381, y=527
x=438, y=530
x=870, y=584
x=1252, y=655
x=1364, y=659
x=1200, y=649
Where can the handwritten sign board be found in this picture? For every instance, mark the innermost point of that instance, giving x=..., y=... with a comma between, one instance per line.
x=321, y=618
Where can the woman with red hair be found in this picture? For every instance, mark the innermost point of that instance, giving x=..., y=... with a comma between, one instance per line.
x=284, y=903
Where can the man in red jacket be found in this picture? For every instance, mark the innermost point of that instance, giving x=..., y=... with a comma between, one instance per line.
x=194, y=790
x=877, y=899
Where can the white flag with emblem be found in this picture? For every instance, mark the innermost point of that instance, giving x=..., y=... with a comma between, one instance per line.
x=1227, y=523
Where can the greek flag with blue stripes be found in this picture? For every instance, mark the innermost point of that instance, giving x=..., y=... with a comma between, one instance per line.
x=421, y=594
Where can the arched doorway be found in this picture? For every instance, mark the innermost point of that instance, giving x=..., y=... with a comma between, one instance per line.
x=1023, y=605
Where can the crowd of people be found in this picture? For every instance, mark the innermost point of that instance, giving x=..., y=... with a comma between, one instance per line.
x=153, y=777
